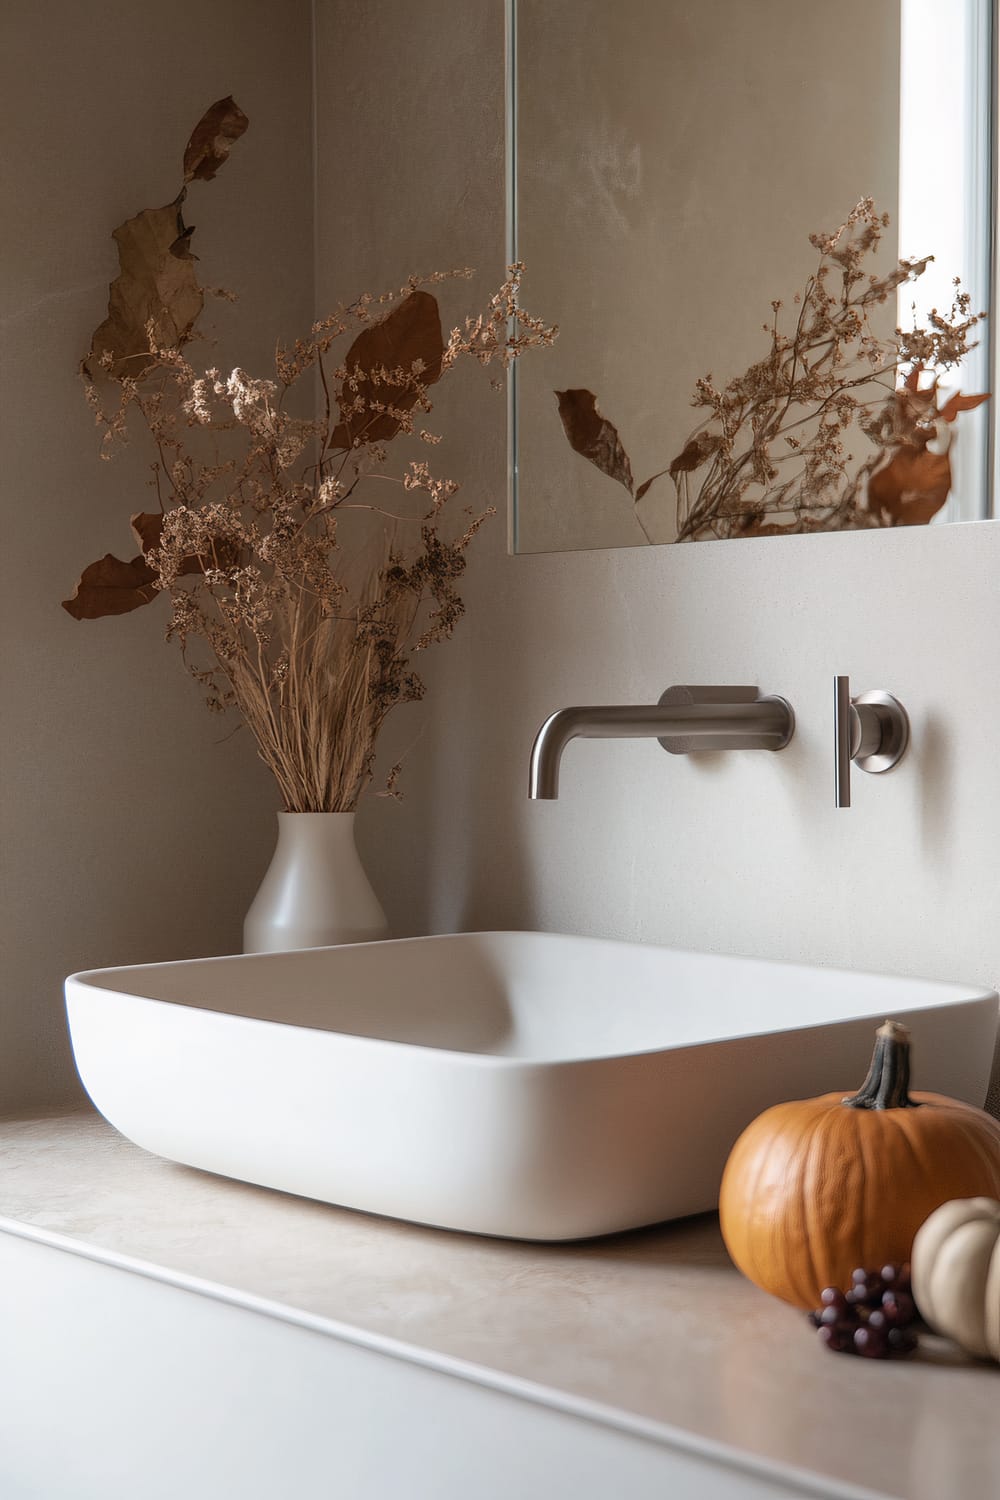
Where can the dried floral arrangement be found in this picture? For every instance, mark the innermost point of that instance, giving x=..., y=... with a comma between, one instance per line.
x=304, y=571
x=771, y=455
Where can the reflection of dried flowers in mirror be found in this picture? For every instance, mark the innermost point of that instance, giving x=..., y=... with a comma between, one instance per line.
x=771, y=455
x=303, y=570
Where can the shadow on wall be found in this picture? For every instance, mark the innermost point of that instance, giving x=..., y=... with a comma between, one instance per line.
x=934, y=755
x=451, y=855
x=993, y=1097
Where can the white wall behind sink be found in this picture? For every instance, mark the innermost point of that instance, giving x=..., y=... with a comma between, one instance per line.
x=740, y=854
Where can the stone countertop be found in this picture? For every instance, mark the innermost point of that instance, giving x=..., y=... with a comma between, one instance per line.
x=656, y=1323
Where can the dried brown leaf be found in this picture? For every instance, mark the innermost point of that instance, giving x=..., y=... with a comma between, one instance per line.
x=647, y=482
x=212, y=139
x=147, y=528
x=111, y=587
x=694, y=453
x=156, y=285
x=409, y=335
x=593, y=436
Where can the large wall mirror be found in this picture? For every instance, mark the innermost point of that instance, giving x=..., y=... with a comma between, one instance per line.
x=674, y=167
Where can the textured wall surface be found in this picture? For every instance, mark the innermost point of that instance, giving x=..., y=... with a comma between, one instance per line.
x=130, y=831
x=735, y=854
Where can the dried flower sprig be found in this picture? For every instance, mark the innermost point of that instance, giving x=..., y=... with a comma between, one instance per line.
x=771, y=456
x=304, y=574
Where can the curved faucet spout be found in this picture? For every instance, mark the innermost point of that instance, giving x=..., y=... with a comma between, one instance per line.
x=597, y=722
x=686, y=720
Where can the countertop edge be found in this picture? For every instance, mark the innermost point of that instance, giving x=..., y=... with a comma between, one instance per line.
x=809, y=1482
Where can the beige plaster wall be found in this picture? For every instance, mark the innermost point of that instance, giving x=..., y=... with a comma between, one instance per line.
x=131, y=830
x=739, y=854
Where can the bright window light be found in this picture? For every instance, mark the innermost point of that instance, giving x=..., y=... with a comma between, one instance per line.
x=946, y=69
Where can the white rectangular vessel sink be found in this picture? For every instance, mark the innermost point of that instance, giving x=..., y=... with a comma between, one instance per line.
x=505, y=1083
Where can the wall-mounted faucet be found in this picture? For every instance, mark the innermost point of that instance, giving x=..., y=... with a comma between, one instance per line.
x=686, y=720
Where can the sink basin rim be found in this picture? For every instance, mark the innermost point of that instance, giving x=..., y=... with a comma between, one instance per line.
x=941, y=992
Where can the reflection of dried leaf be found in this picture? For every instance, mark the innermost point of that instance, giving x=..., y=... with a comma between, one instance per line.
x=801, y=526
x=212, y=139
x=959, y=403
x=912, y=381
x=156, y=284
x=111, y=587
x=911, y=488
x=694, y=453
x=593, y=436
x=409, y=335
x=647, y=482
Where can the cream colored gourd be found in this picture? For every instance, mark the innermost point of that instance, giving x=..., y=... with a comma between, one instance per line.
x=956, y=1274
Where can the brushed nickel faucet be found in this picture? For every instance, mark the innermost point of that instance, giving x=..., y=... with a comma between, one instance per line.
x=686, y=720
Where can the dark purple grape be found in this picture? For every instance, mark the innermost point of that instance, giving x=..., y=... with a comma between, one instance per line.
x=837, y=1340
x=872, y=1317
x=833, y=1312
x=901, y=1340
x=871, y=1343
x=899, y=1308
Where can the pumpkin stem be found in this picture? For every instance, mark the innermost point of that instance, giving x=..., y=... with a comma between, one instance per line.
x=888, y=1081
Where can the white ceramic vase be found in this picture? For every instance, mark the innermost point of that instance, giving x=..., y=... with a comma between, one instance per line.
x=315, y=892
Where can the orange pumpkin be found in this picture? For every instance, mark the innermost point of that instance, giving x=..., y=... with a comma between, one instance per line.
x=816, y=1187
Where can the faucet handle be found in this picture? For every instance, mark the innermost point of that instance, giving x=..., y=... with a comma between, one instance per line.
x=873, y=730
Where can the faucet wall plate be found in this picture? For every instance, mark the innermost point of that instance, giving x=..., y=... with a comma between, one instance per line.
x=894, y=726
x=771, y=730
